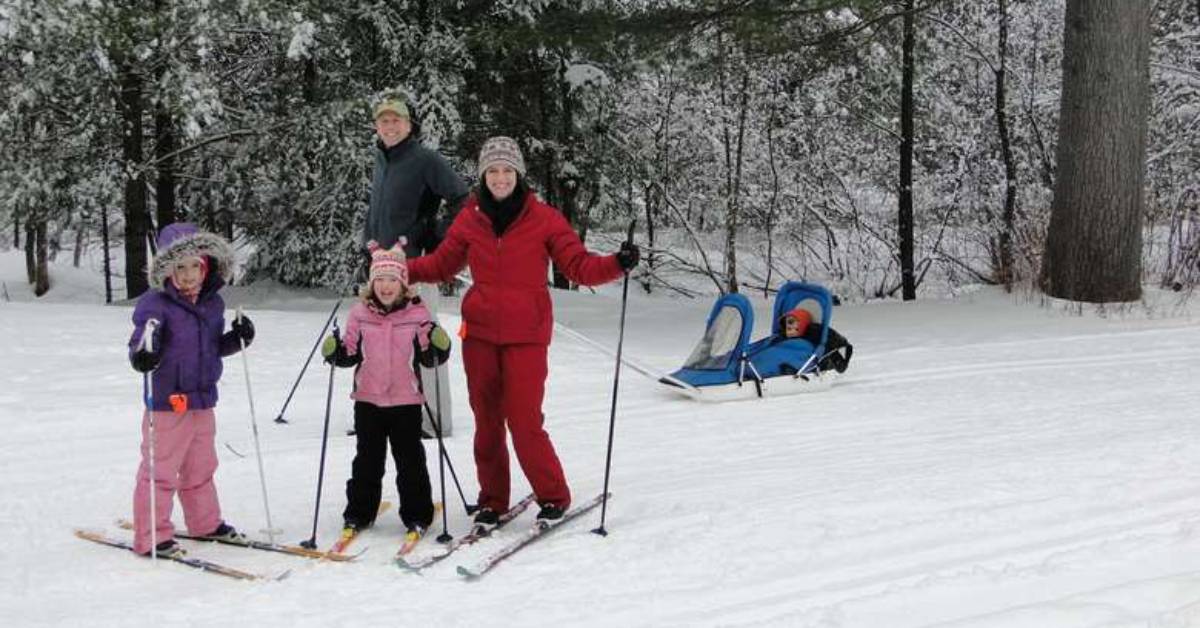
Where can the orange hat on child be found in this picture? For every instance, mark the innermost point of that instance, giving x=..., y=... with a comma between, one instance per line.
x=803, y=320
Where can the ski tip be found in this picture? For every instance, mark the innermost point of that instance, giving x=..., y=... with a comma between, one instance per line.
x=339, y=554
x=402, y=563
x=467, y=573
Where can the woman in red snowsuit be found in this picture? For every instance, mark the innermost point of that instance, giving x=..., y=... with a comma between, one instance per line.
x=508, y=237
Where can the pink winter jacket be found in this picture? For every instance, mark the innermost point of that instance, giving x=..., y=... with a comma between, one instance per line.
x=385, y=377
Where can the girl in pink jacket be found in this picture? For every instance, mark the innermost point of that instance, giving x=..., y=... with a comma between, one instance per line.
x=387, y=334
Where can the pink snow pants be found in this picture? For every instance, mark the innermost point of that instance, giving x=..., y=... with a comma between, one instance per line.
x=185, y=459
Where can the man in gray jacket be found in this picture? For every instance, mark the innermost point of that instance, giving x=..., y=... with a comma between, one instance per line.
x=409, y=185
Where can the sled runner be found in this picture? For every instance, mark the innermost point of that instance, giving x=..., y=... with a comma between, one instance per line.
x=726, y=365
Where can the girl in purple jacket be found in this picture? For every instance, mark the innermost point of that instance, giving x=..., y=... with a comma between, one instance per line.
x=388, y=333
x=184, y=357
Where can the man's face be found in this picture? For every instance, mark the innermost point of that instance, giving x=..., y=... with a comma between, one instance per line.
x=391, y=128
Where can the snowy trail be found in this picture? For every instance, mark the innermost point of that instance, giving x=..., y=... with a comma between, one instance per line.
x=1020, y=469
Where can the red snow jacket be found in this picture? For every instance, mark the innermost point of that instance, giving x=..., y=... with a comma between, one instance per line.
x=508, y=302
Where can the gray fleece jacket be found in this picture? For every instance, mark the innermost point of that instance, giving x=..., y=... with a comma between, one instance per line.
x=409, y=183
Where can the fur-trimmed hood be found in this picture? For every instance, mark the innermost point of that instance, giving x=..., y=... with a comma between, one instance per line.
x=182, y=240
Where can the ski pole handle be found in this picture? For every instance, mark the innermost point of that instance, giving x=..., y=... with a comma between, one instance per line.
x=147, y=341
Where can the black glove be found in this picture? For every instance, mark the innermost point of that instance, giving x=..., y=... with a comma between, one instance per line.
x=144, y=361
x=244, y=328
x=629, y=255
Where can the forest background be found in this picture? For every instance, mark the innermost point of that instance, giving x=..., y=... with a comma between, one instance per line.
x=883, y=148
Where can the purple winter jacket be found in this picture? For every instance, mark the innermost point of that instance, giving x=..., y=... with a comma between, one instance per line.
x=189, y=335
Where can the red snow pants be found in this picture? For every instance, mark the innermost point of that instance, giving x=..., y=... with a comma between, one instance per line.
x=506, y=384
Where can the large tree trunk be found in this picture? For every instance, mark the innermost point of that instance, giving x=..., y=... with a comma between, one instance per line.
x=904, y=226
x=107, y=254
x=1004, y=273
x=136, y=215
x=769, y=222
x=650, y=196
x=1094, y=244
x=77, y=253
x=41, y=280
x=30, y=260
x=164, y=144
x=731, y=284
x=734, y=213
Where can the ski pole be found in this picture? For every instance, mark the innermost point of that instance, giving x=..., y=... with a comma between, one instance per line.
x=443, y=455
x=437, y=430
x=311, y=543
x=445, y=536
x=351, y=276
x=147, y=344
x=612, y=417
x=320, y=336
x=563, y=329
x=262, y=476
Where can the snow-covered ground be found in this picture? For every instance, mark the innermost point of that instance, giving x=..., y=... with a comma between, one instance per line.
x=988, y=461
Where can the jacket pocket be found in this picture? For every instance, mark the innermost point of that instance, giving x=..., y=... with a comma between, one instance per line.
x=525, y=311
x=172, y=381
x=474, y=305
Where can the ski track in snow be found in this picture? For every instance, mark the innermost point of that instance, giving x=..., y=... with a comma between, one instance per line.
x=1051, y=480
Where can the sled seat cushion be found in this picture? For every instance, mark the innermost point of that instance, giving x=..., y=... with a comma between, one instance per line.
x=783, y=356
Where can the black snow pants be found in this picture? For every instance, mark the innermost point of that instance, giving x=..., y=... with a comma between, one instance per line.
x=374, y=427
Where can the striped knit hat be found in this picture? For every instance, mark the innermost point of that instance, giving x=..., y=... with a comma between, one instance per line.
x=501, y=150
x=389, y=262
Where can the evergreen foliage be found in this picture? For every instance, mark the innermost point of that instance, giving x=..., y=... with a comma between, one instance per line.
x=766, y=127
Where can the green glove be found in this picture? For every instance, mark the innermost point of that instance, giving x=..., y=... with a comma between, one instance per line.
x=439, y=338
x=329, y=347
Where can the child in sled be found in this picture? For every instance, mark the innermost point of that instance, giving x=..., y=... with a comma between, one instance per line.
x=183, y=358
x=797, y=323
x=388, y=333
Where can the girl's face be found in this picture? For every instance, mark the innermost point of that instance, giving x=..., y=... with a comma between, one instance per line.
x=501, y=179
x=791, y=327
x=188, y=274
x=387, y=290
